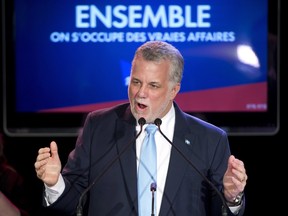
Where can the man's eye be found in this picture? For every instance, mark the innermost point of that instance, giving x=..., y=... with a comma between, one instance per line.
x=154, y=86
x=135, y=82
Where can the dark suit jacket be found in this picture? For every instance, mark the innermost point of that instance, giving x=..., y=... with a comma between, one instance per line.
x=107, y=132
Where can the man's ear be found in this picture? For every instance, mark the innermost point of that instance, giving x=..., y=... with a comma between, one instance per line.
x=175, y=90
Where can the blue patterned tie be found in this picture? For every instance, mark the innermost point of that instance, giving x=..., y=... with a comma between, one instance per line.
x=147, y=172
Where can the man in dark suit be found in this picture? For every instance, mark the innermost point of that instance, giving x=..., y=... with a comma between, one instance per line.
x=196, y=173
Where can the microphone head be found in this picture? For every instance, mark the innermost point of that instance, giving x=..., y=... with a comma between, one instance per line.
x=153, y=186
x=158, y=122
x=141, y=121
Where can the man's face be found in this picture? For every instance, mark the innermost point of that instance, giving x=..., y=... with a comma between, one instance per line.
x=150, y=92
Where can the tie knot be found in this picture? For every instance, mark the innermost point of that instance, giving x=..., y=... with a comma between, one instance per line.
x=151, y=128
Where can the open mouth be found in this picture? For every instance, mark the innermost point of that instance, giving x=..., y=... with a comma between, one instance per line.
x=141, y=106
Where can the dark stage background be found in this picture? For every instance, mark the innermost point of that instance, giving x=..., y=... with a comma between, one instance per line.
x=263, y=157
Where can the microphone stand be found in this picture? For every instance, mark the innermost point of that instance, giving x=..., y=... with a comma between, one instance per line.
x=79, y=210
x=158, y=122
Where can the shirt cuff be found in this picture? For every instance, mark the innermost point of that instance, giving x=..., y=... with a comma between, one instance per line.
x=235, y=209
x=54, y=192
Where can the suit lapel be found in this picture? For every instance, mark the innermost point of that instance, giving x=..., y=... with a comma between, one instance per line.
x=126, y=146
x=179, y=166
x=175, y=175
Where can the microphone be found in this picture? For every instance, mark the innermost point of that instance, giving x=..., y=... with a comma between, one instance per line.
x=141, y=122
x=153, y=189
x=158, y=122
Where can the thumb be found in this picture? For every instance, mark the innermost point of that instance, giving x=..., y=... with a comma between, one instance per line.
x=54, y=150
x=230, y=160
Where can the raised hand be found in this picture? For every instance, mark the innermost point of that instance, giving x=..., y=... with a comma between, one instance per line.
x=48, y=164
x=235, y=178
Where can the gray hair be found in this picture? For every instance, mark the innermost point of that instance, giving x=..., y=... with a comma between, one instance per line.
x=160, y=50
